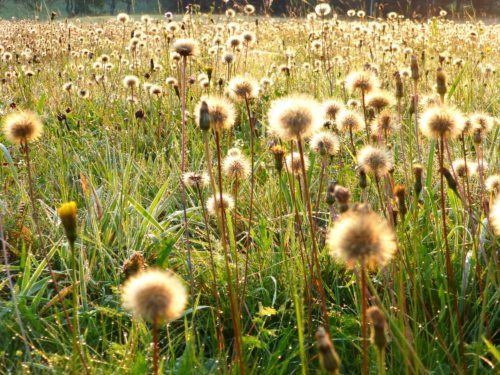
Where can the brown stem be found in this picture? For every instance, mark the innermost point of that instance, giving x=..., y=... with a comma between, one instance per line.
x=155, y=346
x=364, y=325
x=449, y=270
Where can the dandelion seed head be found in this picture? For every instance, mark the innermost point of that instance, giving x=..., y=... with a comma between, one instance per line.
x=294, y=117
x=241, y=88
x=442, y=121
x=154, y=294
x=325, y=143
x=213, y=204
x=22, y=127
x=375, y=160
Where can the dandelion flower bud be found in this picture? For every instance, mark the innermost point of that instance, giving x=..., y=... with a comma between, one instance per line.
x=236, y=167
x=325, y=143
x=414, y=68
x=442, y=122
x=214, y=205
x=418, y=172
x=378, y=327
x=328, y=357
x=375, y=160
x=343, y=197
x=399, y=85
x=294, y=164
x=243, y=88
x=155, y=294
x=67, y=214
x=294, y=117
x=450, y=180
x=278, y=153
x=186, y=47
x=362, y=236
x=22, y=127
x=400, y=193
x=441, y=82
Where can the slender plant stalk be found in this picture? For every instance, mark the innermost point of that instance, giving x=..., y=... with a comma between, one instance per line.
x=318, y=281
x=155, y=346
x=364, y=325
x=76, y=341
x=233, y=300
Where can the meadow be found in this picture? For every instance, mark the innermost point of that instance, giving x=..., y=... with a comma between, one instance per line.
x=237, y=194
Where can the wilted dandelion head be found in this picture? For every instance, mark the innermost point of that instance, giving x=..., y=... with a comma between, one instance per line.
x=495, y=216
x=492, y=184
x=186, y=47
x=377, y=319
x=349, y=121
x=332, y=108
x=294, y=117
x=325, y=143
x=195, y=180
x=362, y=236
x=130, y=82
x=375, y=160
x=221, y=113
x=364, y=81
x=214, y=205
x=241, y=88
x=463, y=168
x=379, y=100
x=293, y=163
x=22, y=127
x=154, y=294
x=441, y=122
x=236, y=167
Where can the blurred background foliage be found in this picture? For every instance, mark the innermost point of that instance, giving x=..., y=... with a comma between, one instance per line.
x=410, y=8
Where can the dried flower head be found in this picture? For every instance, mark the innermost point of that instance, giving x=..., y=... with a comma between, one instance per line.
x=242, y=88
x=328, y=357
x=134, y=264
x=155, y=294
x=378, y=327
x=294, y=117
x=349, y=121
x=375, y=160
x=325, y=143
x=195, y=180
x=362, y=236
x=294, y=165
x=383, y=123
x=236, y=167
x=221, y=113
x=186, y=47
x=214, y=205
x=363, y=80
x=22, y=127
x=441, y=121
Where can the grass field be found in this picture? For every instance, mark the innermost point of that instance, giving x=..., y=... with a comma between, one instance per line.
x=359, y=233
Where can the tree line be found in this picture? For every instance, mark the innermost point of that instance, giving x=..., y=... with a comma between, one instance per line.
x=409, y=8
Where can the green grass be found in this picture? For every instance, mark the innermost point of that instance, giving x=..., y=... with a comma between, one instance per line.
x=126, y=182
